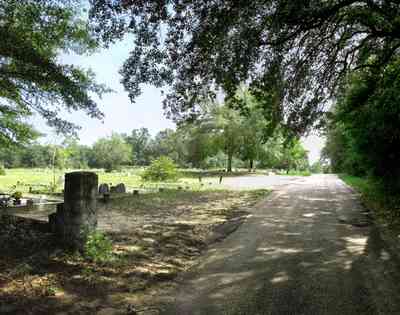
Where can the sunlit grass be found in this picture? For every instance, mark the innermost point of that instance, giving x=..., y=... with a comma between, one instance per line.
x=23, y=178
x=359, y=183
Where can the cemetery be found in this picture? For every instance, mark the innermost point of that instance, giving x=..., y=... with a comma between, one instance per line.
x=129, y=247
x=199, y=157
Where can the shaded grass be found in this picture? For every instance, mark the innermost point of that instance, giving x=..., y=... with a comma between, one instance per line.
x=363, y=185
x=385, y=204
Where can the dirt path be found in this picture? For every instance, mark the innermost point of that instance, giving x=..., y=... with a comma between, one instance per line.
x=296, y=254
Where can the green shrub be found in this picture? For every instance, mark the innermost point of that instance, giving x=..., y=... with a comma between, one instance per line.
x=98, y=247
x=2, y=170
x=161, y=169
x=17, y=195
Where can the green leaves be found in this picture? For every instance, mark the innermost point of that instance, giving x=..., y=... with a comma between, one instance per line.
x=161, y=169
x=297, y=52
x=110, y=153
x=364, y=138
x=98, y=248
x=31, y=78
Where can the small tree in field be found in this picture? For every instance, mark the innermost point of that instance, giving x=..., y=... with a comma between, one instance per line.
x=110, y=153
x=161, y=169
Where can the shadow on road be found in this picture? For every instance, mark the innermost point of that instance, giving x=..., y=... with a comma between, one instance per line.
x=293, y=256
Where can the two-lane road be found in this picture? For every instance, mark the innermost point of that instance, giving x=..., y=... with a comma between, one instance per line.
x=294, y=256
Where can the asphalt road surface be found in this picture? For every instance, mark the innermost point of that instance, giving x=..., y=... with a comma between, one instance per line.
x=296, y=254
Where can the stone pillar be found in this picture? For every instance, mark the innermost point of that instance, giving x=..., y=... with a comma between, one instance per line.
x=77, y=216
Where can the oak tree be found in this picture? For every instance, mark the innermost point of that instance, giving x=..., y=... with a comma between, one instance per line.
x=32, y=79
x=296, y=53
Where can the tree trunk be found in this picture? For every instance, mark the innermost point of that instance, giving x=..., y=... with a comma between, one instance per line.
x=251, y=165
x=229, y=166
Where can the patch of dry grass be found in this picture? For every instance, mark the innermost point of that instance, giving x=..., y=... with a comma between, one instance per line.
x=155, y=238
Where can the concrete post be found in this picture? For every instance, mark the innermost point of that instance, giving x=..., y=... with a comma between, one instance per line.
x=77, y=216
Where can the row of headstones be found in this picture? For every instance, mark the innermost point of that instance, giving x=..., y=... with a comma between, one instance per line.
x=106, y=189
x=76, y=218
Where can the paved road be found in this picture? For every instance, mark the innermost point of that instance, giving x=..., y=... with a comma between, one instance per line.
x=259, y=181
x=295, y=255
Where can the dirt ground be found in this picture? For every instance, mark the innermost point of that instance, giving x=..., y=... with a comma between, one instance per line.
x=155, y=238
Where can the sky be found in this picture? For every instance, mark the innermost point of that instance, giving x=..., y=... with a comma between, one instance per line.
x=120, y=114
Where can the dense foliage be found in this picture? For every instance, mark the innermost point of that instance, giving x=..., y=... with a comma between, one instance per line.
x=364, y=136
x=293, y=54
x=110, y=153
x=32, y=79
x=161, y=169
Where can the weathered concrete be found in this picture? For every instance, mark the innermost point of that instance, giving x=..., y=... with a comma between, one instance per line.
x=77, y=216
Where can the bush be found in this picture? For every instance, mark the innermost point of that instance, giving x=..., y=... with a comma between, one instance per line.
x=17, y=195
x=161, y=169
x=98, y=247
x=2, y=171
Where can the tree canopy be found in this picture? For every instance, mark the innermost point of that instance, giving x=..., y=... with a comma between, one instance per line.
x=295, y=53
x=32, y=79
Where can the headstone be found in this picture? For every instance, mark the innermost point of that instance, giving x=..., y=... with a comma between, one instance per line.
x=60, y=180
x=120, y=188
x=77, y=217
x=104, y=189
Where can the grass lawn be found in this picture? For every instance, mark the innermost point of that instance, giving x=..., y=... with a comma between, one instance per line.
x=155, y=237
x=359, y=183
x=22, y=178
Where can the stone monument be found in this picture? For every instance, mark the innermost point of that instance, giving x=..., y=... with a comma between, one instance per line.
x=77, y=216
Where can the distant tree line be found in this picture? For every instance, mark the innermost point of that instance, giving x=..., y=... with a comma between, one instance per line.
x=223, y=137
